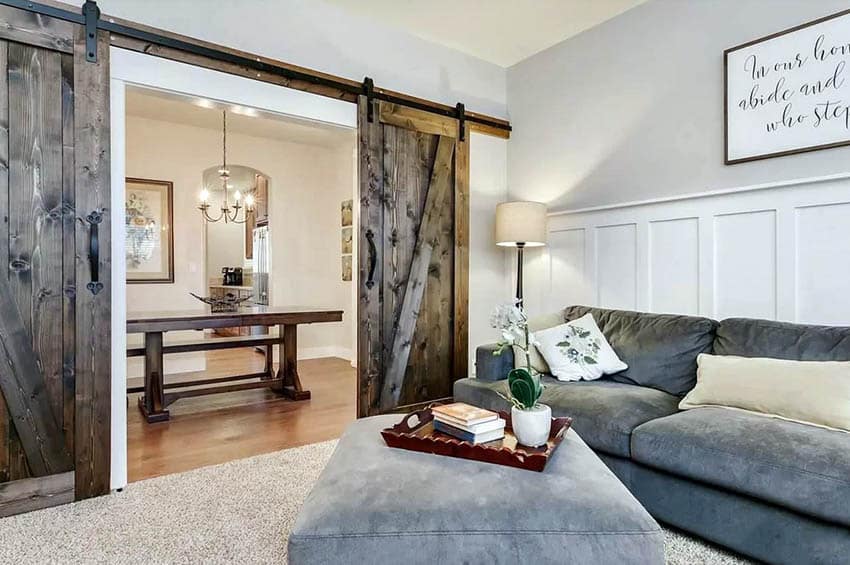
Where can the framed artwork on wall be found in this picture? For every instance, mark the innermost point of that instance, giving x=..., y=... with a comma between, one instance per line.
x=788, y=92
x=346, y=210
x=149, y=234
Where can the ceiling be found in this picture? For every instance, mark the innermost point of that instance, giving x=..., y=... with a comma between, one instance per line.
x=503, y=32
x=200, y=112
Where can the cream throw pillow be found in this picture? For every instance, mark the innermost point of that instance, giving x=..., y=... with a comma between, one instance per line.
x=808, y=392
x=535, y=324
x=578, y=351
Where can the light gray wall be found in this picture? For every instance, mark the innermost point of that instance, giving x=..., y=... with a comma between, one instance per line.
x=633, y=109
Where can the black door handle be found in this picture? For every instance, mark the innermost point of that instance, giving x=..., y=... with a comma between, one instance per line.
x=373, y=259
x=94, y=219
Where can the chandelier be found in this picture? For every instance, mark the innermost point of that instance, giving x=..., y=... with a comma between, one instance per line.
x=230, y=214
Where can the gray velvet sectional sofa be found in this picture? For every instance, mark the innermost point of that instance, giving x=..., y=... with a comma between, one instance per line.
x=770, y=489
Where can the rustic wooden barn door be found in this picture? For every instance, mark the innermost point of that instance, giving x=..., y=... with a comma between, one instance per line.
x=55, y=254
x=413, y=258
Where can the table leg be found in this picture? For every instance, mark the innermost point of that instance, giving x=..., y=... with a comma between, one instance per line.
x=152, y=403
x=289, y=364
x=269, y=350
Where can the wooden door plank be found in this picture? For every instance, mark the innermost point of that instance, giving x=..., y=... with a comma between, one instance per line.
x=425, y=243
x=93, y=311
x=370, y=359
x=35, y=221
x=69, y=254
x=25, y=393
x=6, y=427
x=26, y=495
x=35, y=205
x=34, y=29
x=417, y=120
x=461, y=261
x=434, y=326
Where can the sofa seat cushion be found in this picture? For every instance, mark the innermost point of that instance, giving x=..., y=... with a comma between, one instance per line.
x=604, y=413
x=660, y=349
x=804, y=468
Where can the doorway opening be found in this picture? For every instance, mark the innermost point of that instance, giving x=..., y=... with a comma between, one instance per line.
x=295, y=247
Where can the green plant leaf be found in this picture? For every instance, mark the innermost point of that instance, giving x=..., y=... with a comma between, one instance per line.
x=589, y=360
x=525, y=389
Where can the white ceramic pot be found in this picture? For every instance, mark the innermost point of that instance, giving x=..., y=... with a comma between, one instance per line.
x=531, y=427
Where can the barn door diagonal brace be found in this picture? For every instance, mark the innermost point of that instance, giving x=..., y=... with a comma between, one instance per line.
x=91, y=13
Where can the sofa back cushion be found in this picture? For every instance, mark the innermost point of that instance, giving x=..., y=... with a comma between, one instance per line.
x=782, y=340
x=660, y=349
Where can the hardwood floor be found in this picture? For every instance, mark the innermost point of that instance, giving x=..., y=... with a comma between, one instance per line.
x=218, y=428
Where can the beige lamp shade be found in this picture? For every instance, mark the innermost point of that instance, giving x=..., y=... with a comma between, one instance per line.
x=521, y=222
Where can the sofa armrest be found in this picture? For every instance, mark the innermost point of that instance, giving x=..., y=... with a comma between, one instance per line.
x=490, y=367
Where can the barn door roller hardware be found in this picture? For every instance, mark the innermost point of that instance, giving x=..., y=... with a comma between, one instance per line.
x=91, y=13
x=90, y=18
x=369, y=93
x=461, y=121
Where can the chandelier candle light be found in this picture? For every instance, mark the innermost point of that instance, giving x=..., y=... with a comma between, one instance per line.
x=230, y=214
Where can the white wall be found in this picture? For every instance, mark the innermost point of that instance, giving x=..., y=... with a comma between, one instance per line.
x=307, y=185
x=487, y=283
x=633, y=108
x=313, y=34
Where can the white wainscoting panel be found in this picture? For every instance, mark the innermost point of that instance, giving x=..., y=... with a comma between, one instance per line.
x=779, y=251
x=674, y=265
x=823, y=256
x=745, y=265
x=569, y=264
x=616, y=265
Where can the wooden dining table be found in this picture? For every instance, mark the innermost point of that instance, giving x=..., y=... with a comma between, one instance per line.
x=158, y=395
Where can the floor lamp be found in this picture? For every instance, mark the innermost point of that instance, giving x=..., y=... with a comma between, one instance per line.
x=521, y=225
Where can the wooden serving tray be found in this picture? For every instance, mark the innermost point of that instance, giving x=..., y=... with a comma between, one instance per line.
x=416, y=433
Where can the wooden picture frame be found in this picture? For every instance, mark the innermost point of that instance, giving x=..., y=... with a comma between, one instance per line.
x=792, y=73
x=149, y=213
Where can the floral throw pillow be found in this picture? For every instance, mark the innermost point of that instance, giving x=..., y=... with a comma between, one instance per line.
x=578, y=351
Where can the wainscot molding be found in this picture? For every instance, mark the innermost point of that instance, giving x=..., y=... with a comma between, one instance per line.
x=704, y=194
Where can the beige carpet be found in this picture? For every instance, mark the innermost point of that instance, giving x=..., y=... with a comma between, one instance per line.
x=239, y=512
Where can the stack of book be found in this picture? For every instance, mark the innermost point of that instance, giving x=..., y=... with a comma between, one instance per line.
x=468, y=423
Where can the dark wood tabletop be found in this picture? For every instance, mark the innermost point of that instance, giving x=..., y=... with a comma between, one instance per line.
x=202, y=318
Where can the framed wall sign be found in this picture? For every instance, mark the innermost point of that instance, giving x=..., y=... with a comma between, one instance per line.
x=789, y=92
x=149, y=233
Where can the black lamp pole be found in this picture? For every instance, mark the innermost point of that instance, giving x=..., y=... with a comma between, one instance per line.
x=519, y=249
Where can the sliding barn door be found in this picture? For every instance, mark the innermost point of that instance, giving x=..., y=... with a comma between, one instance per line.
x=55, y=259
x=413, y=257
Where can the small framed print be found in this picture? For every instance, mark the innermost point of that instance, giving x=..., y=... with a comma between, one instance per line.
x=346, y=268
x=346, y=242
x=346, y=210
x=149, y=234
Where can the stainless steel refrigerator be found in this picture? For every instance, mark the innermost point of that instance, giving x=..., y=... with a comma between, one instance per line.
x=261, y=265
x=260, y=277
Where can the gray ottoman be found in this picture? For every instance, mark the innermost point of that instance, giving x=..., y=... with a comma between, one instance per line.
x=375, y=504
